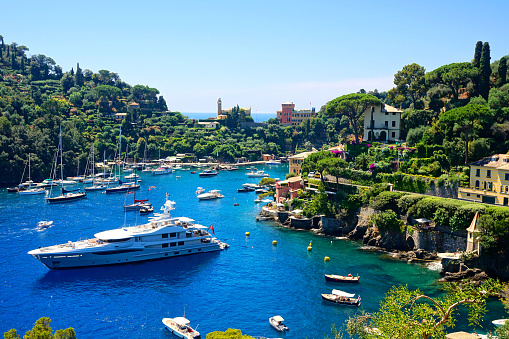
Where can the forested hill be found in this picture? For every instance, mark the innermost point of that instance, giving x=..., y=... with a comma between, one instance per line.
x=37, y=96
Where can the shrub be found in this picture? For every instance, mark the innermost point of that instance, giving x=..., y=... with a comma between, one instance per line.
x=386, y=201
x=407, y=202
x=388, y=221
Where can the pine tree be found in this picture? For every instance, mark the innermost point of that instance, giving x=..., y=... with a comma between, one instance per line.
x=477, y=54
x=502, y=71
x=485, y=71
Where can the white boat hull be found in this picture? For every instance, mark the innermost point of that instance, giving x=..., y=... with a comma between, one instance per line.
x=32, y=191
x=98, y=257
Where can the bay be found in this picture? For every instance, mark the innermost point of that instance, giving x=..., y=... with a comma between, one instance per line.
x=240, y=287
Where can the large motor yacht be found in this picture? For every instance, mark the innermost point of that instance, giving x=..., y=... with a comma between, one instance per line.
x=162, y=237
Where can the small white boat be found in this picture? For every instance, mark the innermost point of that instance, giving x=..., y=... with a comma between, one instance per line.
x=257, y=174
x=277, y=322
x=499, y=322
x=44, y=224
x=132, y=176
x=213, y=194
x=200, y=190
x=162, y=170
x=180, y=327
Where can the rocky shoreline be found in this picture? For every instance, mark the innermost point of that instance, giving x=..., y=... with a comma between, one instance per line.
x=399, y=246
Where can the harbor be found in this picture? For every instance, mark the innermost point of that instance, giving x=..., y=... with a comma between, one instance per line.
x=267, y=270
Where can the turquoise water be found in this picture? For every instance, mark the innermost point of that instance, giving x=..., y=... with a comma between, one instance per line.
x=237, y=288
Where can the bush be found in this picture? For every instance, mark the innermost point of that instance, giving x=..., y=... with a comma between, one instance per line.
x=388, y=221
x=386, y=201
x=407, y=203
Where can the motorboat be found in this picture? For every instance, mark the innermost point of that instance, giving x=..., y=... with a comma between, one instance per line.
x=208, y=173
x=132, y=176
x=146, y=209
x=179, y=326
x=260, y=190
x=163, y=236
x=193, y=172
x=257, y=174
x=277, y=322
x=164, y=169
x=499, y=322
x=340, y=278
x=200, y=190
x=232, y=168
x=245, y=189
x=343, y=298
x=44, y=224
x=213, y=194
x=273, y=162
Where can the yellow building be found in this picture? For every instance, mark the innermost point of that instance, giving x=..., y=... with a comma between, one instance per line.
x=489, y=181
x=223, y=113
x=295, y=162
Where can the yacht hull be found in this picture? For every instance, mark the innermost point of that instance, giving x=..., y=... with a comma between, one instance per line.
x=117, y=256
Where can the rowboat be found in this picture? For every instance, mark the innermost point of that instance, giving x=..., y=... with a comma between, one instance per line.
x=340, y=278
x=343, y=298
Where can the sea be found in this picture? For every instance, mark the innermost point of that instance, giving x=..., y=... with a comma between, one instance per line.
x=240, y=287
x=257, y=117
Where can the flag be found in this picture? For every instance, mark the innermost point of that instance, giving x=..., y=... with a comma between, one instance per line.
x=212, y=228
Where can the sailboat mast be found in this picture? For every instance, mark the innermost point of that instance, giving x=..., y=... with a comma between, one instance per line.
x=119, y=150
x=29, y=179
x=61, y=162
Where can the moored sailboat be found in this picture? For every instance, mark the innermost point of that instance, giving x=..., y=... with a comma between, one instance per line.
x=30, y=190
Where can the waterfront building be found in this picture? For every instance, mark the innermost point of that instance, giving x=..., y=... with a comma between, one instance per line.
x=289, y=188
x=222, y=113
x=267, y=157
x=489, y=181
x=295, y=162
x=289, y=116
x=382, y=123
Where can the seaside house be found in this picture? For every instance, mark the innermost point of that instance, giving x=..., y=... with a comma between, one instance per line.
x=382, y=123
x=288, y=116
x=289, y=188
x=295, y=162
x=209, y=124
x=489, y=181
x=133, y=106
x=267, y=157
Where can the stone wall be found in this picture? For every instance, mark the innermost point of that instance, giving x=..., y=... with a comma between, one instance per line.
x=438, y=239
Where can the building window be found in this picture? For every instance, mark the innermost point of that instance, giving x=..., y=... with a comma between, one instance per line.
x=488, y=173
x=468, y=194
x=386, y=124
x=393, y=113
x=386, y=113
x=507, y=176
x=393, y=134
x=477, y=184
x=394, y=124
x=478, y=172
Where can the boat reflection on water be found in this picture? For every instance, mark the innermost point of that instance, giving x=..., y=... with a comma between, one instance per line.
x=177, y=271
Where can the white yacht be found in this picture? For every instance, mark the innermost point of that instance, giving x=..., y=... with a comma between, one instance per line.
x=257, y=174
x=162, y=237
x=164, y=169
x=213, y=194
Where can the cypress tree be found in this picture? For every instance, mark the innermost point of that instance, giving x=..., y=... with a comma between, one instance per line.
x=22, y=67
x=72, y=71
x=79, y=75
x=485, y=71
x=502, y=71
x=477, y=54
x=13, y=61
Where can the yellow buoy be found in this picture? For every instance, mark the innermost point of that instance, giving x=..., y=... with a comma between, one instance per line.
x=247, y=234
x=326, y=259
x=310, y=248
x=274, y=242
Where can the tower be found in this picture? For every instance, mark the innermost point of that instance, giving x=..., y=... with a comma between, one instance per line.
x=219, y=109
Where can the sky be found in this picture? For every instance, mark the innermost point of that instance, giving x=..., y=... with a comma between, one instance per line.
x=256, y=54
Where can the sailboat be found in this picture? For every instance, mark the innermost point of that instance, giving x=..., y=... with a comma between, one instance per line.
x=94, y=187
x=121, y=186
x=30, y=190
x=67, y=195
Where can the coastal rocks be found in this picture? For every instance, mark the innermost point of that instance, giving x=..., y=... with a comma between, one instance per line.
x=475, y=276
x=417, y=255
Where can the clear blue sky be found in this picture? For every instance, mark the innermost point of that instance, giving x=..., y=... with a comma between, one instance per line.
x=256, y=53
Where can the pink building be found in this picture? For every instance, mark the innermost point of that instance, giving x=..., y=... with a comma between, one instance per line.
x=288, y=189
x=285, y=115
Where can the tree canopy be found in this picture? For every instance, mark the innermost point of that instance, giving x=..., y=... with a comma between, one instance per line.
x=454, y=76
x=352, y=106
